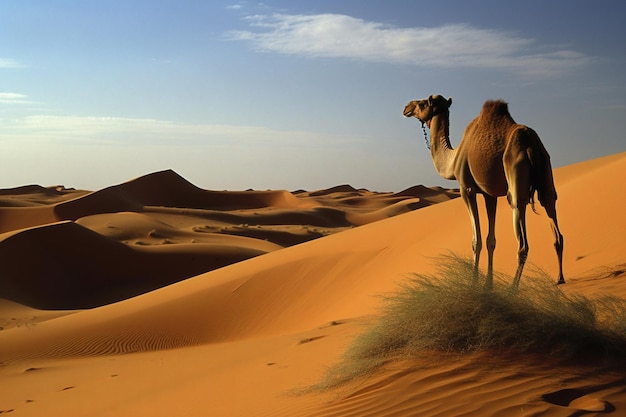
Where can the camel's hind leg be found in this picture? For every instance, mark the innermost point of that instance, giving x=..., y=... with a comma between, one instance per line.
x=518, y=177
x=550, y=207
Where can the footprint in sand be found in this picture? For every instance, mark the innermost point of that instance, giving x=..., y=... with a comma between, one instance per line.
x=578, y=400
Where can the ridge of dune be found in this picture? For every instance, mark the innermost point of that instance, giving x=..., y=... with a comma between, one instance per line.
x=25, y=196
x=394, y=209
x=421, y=191
x=345, y=188
x=565, y=175
x=37, y=194
x=27, y=189
x=167, y=188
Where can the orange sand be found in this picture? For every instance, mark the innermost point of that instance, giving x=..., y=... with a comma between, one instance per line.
x=150, y=298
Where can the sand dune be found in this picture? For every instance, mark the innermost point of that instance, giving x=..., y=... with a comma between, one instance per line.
x=237, y=340
x=166, y=188
x=156, y=230
x=71, y=267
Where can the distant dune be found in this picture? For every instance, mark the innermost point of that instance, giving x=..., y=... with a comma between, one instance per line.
x=156, y=297
x=68, y=249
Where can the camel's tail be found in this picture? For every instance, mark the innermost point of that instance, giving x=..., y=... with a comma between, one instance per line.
x=541, y=179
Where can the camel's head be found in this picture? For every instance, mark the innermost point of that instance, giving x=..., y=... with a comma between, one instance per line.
x=426, y=109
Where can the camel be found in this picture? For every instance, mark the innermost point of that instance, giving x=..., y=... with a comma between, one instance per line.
x=496, y=157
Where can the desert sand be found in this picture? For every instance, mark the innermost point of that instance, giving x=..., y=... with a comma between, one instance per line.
x=156, y=297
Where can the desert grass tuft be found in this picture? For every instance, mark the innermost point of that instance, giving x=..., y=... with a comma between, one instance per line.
x=451, y=312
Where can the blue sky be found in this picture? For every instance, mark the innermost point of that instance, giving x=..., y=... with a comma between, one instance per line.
x=294, y=95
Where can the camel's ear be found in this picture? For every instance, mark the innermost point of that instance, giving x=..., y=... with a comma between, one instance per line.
x=430, y=100
x=449, y=101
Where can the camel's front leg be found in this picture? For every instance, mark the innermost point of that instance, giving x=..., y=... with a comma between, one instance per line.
x=469, y=197
x=491, y=204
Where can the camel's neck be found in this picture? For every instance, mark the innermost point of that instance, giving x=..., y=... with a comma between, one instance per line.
x=440, y=149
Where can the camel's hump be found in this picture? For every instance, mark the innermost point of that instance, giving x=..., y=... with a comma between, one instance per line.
x=496, y=108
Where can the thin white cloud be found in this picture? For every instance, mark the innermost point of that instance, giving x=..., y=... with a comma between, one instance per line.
x=110, y=130
x=13, y=98
x=9, y=63
x=448, y=46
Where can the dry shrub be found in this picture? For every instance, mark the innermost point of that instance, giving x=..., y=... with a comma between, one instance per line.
x=450, y=312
